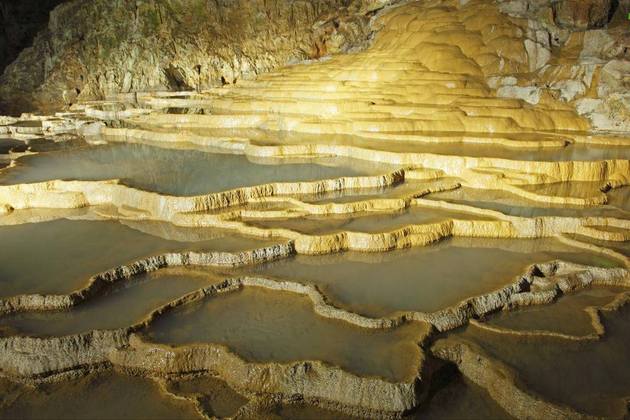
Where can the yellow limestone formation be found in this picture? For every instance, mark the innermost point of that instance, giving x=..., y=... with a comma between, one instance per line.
x=428, y=80
x=424, y=80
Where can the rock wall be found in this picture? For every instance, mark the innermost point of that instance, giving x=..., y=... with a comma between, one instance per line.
x=589, y=52
x=93, y=48
x=578, y=51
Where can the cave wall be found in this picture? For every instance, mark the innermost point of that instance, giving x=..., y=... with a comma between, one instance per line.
x=90, y=49
x=20, y=21
x=96, y=48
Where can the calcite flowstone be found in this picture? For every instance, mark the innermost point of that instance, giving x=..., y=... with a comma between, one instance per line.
x=437, y=73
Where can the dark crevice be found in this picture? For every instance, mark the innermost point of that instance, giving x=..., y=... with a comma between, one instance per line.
x=20, y=21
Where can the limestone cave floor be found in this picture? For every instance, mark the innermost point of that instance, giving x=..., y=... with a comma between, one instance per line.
x=435, y=225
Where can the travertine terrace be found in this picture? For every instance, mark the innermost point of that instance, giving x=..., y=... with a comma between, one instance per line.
x=374, y=231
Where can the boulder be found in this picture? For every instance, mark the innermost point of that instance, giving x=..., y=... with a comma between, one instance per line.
x=583, y=14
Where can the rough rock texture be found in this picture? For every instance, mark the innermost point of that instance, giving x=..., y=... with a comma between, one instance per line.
x=583, y=14
x=589, y=66
x=93, y=48
x=30, y=358
x=21, y=358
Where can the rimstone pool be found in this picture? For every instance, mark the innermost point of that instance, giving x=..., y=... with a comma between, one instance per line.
x=375, y=276
x=432, y=223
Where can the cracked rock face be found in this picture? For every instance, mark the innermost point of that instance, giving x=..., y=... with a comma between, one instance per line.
x=173, y=44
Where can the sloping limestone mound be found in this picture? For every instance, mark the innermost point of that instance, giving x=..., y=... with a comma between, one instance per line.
x=424, y=79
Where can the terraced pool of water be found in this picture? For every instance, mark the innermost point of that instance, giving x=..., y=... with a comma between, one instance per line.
x=397, y=143
x=263, y=325
x=59, y=256
x=568, y=315
x=422, y=279
x=372, y=222
x=592, y=377
x=487, y=316
x=513, y=205
x=176, y=172
x=122, y=306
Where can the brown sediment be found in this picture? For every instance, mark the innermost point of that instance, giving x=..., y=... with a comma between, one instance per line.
x=509, y=348
x=502, y=382
x=32, y=358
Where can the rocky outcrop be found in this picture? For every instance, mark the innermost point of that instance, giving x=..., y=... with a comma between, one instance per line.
x=590, y=64
x=583, y=14
x=93, y=48
x=567, y=14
